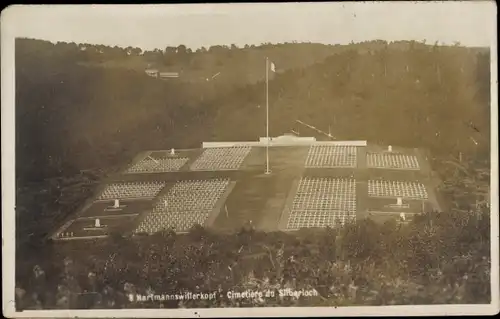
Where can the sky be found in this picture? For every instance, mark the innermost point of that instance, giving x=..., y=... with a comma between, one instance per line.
x=471, y=23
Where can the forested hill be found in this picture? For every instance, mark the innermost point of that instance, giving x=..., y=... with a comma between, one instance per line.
x=429, y=96
x=82, y=106
x=232, y=64
x=86, y=106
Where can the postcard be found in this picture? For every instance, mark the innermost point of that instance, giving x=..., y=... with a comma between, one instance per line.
x=248, y=160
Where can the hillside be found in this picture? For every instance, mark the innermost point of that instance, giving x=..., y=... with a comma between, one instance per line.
x=72, y=117
x=431, y=97
x=74, y=113
x=235, y=65
x=80, y=115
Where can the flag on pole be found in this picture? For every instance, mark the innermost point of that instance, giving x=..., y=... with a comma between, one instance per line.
x=269, y=65
x=273, y=67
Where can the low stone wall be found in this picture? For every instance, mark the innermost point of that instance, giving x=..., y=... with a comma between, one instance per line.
x=278, y=142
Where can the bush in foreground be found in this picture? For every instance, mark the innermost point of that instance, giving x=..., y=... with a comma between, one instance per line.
x=437, y=258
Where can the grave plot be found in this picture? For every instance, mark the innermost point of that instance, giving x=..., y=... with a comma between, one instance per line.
x=91, y=227
x=152, y=165
x=394, y=189
x=187, y=203
x=120, y=208
x=224, y=158
x=321, y=202
x=131, y=190
x=326, y=156
x=178, y=221
x=312, y=219
x=394, y=161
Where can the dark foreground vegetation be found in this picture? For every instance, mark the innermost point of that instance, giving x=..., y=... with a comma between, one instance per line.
x=435, y=259
x=81, y=114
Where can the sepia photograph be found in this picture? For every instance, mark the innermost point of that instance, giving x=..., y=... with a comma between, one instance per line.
x=250, y=159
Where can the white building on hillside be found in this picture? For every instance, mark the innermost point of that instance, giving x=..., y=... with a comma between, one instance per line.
x=166, y=75
x=152, y=72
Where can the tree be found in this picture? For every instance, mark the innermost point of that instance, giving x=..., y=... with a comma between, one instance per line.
x=437, y=55
x=152, y=56
x=137, y=51
x=181, y=49
x=117, y=52
x=170, y=55
x=183, y=55
x=201, y=50
x=216, y=49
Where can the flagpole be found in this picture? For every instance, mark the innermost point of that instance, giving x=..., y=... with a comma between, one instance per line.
x=267, y=115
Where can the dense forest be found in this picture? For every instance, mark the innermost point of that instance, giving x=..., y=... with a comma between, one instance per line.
x=428, y=97
x=73, y=116
x=84, y=110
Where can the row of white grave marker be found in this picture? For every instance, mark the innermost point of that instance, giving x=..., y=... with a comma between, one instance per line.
x=187, y=203
x=67, y=234
x=150, y=165
x=131, y=190
x=295, y=220
x=230, y=158
x=322, y=202
x=319, y=156
x=345, y=156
